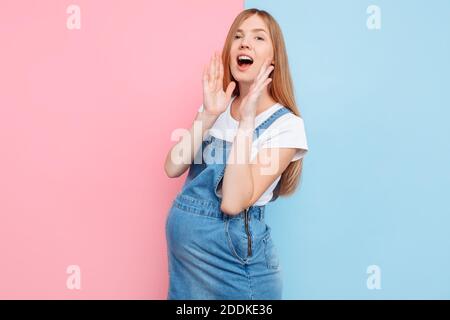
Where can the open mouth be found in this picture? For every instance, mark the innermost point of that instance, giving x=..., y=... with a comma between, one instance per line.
x=244, y=60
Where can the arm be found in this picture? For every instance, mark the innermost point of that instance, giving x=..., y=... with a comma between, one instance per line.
x=244, y=183
x=215, y=101
x=188, y=145
x=237, y=186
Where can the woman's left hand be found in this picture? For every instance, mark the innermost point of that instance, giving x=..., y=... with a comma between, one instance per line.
x=247, y=111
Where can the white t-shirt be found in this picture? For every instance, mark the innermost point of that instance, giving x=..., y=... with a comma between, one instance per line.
x=288, y=131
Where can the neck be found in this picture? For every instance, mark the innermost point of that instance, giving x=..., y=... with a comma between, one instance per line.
x=265, y=101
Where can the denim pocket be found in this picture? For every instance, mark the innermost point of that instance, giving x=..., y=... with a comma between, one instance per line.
x=271, y=253
x=237, y=239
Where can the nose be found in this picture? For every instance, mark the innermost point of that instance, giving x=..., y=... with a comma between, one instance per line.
x=244, y=44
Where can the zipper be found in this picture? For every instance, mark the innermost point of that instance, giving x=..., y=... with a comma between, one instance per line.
x=249, y=242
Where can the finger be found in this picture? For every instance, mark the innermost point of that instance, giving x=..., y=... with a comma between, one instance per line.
x=268, y=80
x=263, y=81
x=221, y=72
x=205, y=76
x=208, y=76
x=229, y=91
x=266, y=73
x=259, y=88
x=263, y=68
x=217, y=65
x=218, y=85
x=214, y=68
x=259, y=82
x=210, y=71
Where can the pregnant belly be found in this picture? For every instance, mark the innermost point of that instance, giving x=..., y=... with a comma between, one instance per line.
x=191, y=233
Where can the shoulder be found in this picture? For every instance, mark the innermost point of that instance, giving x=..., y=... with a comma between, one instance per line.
x=286, y=131
x=287, y=122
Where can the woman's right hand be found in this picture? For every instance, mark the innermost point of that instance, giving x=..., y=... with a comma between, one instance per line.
x=215, y=100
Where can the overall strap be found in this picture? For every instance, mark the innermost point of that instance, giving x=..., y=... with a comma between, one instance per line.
x=263, y=126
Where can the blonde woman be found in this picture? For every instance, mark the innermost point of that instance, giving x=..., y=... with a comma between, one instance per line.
x=249, y=150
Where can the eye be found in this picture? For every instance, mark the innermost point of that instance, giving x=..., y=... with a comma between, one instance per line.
x=259, y=38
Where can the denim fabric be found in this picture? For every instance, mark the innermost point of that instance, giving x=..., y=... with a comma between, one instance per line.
x=213, y=255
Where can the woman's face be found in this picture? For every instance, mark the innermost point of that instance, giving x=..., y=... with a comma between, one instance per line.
x=252, y=40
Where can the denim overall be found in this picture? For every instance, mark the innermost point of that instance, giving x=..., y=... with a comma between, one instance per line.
x=213, y=255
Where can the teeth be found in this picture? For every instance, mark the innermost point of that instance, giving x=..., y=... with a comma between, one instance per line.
x=241, y=58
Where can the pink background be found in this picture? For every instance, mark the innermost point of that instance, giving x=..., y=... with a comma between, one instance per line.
x=85, y=123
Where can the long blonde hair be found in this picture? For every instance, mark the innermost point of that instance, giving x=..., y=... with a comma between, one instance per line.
x=280, y=88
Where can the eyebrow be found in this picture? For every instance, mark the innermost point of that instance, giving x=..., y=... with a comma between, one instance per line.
x=254, y=30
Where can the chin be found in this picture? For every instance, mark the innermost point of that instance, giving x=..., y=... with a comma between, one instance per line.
x=243, y=78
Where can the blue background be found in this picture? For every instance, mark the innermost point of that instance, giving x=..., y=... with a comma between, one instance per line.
x=375, y=183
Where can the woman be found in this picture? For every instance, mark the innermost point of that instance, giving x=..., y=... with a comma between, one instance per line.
x=219, y=246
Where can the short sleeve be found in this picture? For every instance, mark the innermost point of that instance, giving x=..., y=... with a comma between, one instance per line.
x=286, y=132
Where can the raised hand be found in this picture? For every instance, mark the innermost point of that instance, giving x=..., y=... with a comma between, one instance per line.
x=250, y=101
x=215, y=100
